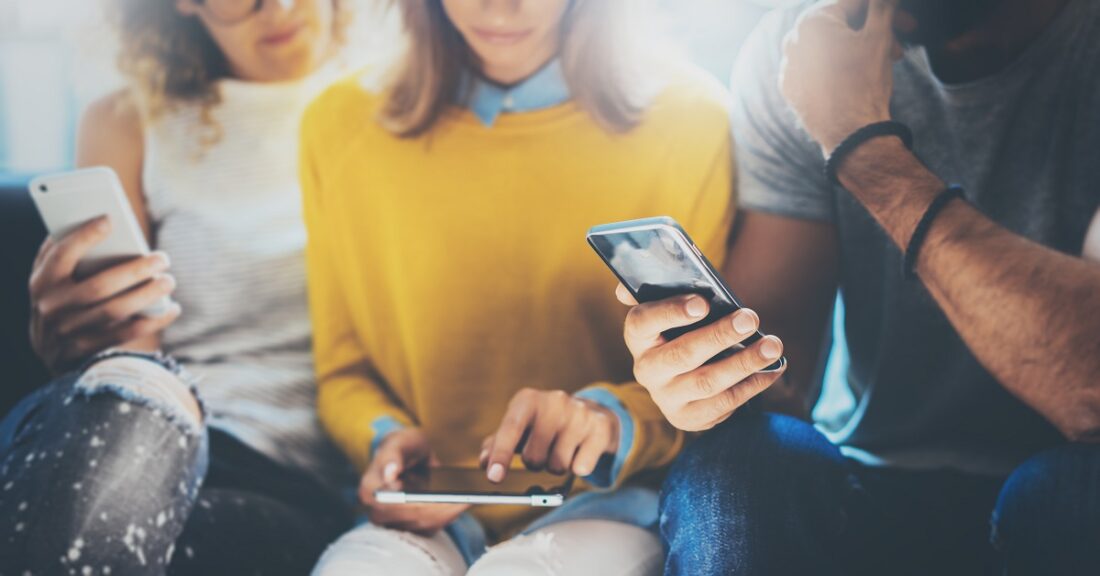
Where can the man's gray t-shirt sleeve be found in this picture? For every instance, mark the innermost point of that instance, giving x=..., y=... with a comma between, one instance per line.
x=780, y=169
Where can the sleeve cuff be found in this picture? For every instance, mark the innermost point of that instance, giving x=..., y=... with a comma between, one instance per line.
x=608, y=470
x=381, y=428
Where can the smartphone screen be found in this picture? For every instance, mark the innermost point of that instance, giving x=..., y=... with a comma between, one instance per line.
x=448, y=480
x=656, y=259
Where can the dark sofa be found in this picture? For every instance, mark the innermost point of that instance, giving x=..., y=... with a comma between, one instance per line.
x=21, y=232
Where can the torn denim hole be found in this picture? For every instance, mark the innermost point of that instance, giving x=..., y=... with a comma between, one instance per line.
x=152, y=397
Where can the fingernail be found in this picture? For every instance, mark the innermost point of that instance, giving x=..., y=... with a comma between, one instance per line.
x=744, y=321
x=770, y=348
x=103, y=225
x=163, y=261
x=696, y=308
x=389, y=473
x=167, y=279
x=496, y=473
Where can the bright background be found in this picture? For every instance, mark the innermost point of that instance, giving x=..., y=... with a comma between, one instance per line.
x=58, y=55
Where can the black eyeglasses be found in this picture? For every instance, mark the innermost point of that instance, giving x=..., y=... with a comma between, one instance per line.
x=233, y=11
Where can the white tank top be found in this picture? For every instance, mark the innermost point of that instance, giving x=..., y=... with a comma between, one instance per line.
x=229, y=217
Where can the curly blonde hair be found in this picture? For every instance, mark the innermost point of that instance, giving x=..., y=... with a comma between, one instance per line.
x=171, y=59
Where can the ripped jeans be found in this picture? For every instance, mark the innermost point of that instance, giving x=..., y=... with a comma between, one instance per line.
x=97, y=478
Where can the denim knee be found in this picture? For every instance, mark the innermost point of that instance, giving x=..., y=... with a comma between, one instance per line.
x=748, y=454
x=1047, y=518
x=94, y=477
x=739, y=489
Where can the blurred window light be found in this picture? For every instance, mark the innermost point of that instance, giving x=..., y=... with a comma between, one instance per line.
x=39, y=94
x=56, y=56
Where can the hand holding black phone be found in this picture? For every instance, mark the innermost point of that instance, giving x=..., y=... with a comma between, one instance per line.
x=655, y=259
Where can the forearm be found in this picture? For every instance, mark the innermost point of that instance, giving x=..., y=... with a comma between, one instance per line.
x=1030, y=314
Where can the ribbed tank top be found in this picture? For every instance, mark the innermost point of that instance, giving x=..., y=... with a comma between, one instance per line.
x=229, y=216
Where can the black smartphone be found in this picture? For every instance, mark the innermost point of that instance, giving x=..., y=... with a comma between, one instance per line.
x=656, y=259
x=470, y=486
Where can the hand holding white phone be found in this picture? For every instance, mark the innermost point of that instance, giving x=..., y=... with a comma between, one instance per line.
x=95, y=282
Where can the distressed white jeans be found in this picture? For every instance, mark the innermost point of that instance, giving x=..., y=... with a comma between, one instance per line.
x=570, y=548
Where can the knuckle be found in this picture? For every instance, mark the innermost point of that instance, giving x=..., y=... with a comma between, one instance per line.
x=632, y=326
x=645, y=372
x=93, y=290
x=744, y=361
x=706, y=383
x=34, y=283
x=681, y=419
x=671, y=314
x=723, y=403
x=515, y=420
x=722, y=334
x=678, y=353
x=64, y=329
x=41, y=307
x=115, y=312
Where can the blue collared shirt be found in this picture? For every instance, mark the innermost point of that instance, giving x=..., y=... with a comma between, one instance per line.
x=543, y=89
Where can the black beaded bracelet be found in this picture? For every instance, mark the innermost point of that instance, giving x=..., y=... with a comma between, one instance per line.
x=868, y=132
x=912, y=252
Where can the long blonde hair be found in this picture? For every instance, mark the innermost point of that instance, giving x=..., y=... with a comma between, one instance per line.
x=602, y=57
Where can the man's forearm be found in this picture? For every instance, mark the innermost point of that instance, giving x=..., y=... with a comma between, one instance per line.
x=1030, y=314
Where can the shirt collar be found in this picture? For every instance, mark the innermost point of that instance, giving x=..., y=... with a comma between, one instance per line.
x=543, y=89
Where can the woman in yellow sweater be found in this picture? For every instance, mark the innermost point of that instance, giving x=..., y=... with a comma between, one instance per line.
x=451, y=289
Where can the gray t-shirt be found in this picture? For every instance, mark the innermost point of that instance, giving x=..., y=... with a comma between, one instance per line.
x=1025, y=143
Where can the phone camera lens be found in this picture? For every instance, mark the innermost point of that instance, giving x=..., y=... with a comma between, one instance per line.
x=43, y=188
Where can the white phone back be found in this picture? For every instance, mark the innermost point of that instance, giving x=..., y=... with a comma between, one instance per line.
x=69, y=199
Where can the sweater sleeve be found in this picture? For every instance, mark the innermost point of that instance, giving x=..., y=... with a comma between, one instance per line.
x=354, y=405
x=646, y=440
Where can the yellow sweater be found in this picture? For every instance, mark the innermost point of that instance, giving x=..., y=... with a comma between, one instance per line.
x=447, y=272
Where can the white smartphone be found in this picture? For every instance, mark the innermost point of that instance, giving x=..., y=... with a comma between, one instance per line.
x=470, y=486
x=67, y=200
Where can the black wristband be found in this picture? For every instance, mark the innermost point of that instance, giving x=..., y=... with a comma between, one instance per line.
x=853, y=141
x=912, y=252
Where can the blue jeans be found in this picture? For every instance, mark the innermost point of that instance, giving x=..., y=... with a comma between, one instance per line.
x=103, y=481
x=769, y=494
